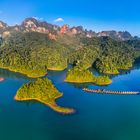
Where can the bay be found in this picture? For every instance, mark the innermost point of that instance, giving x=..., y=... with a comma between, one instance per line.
x=97, y=117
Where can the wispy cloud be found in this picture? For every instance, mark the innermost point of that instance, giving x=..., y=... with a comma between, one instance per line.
x=59, y=20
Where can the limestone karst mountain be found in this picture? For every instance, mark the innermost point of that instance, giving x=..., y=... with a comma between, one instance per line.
x=34, y=25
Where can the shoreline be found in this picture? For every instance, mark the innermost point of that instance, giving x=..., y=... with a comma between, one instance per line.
x=52, y=105
x=79, y=82
x=117, y=73
x=56, y=69
x=29, y=76
x=111, y=73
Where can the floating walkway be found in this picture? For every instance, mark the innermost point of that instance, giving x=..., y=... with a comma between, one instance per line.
x=111, y=92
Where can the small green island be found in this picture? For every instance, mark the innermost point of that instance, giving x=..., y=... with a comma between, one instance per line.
x=44, y=91
x=77, y=75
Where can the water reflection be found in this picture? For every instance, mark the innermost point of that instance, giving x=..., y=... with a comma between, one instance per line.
x=95, y=72
x=53, y=75
x=122, y=72
x=81, y=85
x=8, y=74
x=125, y=72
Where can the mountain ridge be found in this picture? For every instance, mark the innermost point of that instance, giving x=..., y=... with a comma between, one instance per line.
x=31, y=24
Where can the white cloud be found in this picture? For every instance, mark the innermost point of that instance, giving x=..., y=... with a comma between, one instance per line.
x=59, y=20
x=37, y=18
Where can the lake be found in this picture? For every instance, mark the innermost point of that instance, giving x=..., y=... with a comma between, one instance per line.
x=97, y=117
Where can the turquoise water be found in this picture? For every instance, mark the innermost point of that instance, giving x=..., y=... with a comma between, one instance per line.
x=97, y=117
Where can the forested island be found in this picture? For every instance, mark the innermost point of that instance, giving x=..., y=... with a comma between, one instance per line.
x=77, y=75
x=42, y=90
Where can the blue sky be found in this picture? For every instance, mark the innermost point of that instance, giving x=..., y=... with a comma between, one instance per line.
x=92, y=14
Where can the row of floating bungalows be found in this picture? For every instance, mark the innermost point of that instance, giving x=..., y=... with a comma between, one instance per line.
x=110, y=92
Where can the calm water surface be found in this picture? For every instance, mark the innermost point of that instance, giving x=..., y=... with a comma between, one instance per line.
x=98, y=117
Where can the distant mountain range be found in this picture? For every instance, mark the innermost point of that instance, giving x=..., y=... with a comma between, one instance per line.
x=33, y=47
x=34, y=25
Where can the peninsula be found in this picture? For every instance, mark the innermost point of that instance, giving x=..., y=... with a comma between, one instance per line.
x=42, y=90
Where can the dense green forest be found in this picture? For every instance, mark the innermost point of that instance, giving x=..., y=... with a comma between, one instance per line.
x=79, y=75
x=84, y=57
x=42, y=90
x=114, y=55
x=34, y=53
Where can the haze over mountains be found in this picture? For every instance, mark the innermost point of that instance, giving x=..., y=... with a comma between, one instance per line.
x=34, y=25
